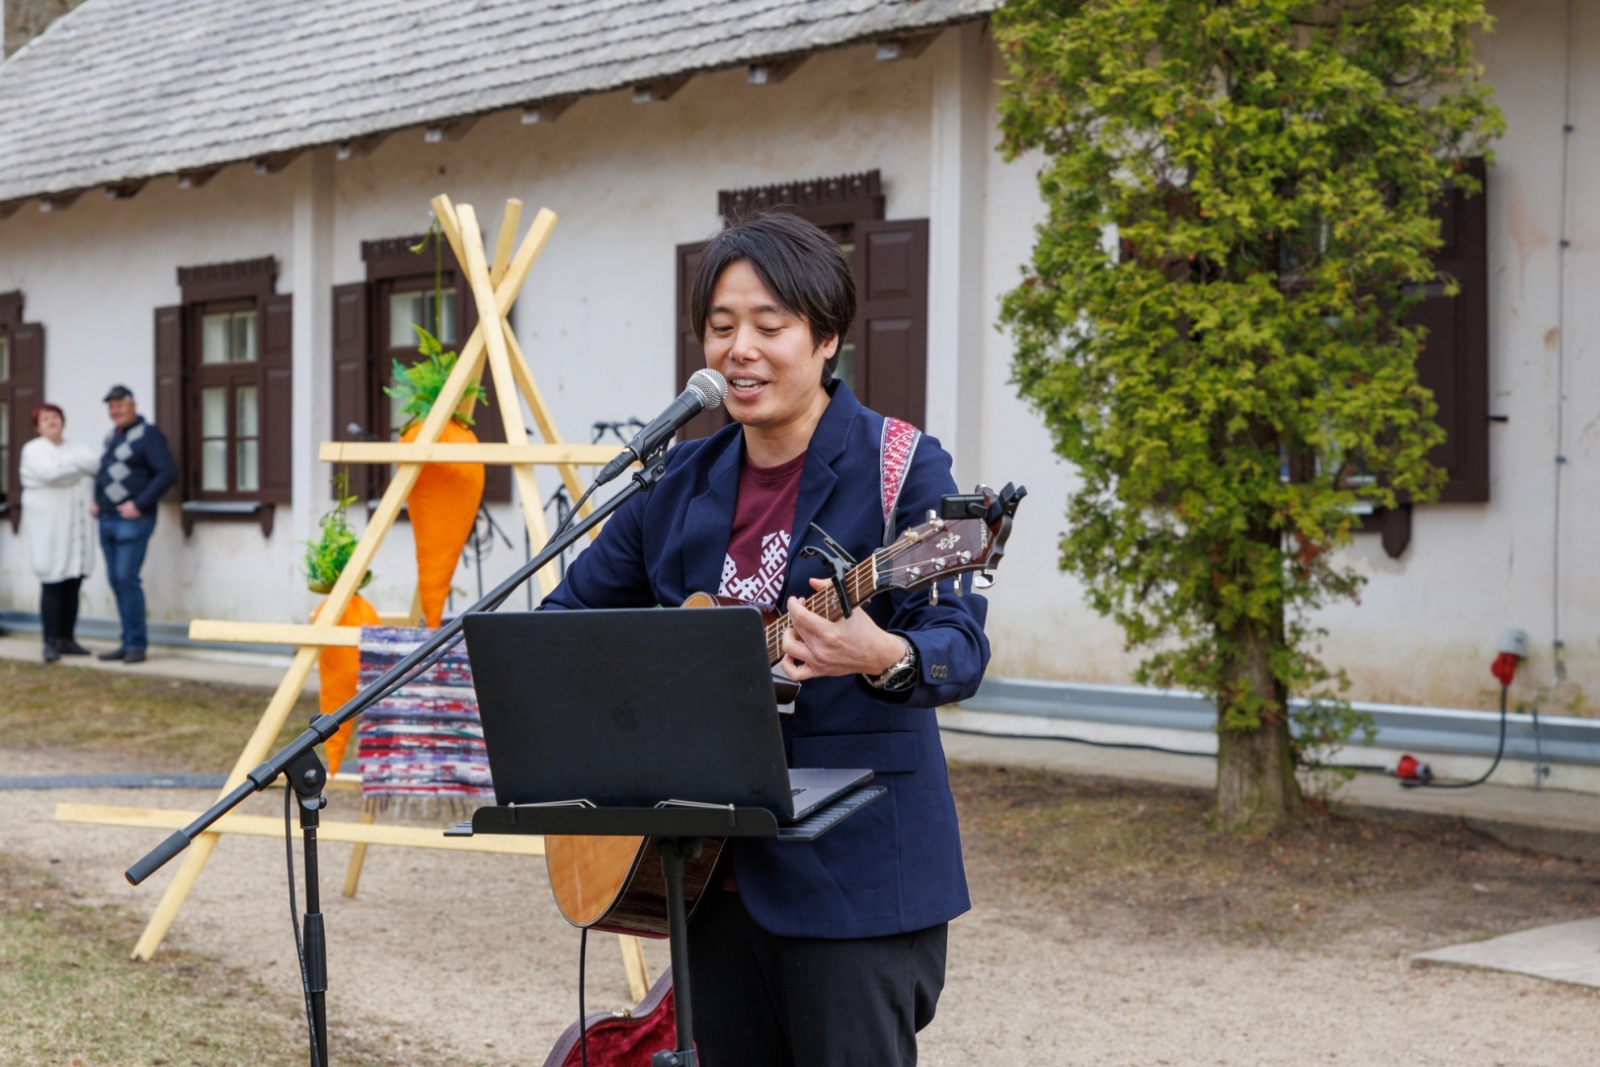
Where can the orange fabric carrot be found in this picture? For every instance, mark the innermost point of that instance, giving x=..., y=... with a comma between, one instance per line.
x=444, y=507
x=340, y=671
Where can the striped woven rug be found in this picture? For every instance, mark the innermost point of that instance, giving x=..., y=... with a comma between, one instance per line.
x=424, y=742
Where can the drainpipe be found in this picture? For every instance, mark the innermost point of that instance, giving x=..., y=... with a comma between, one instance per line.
x=1556, y=642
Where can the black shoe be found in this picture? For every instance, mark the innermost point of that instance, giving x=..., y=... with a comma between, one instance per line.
x=115, y=653
x=51, y=653
x=133, y=655
x=69, y=647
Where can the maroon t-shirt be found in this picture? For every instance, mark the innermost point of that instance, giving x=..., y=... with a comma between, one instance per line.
x=758, y=547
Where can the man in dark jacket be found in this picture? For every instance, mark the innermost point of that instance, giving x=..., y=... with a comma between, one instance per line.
x=135, y=469
x=832, y=953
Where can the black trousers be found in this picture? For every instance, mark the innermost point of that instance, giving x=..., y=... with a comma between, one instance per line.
x=58, y=608
x=767, y=1001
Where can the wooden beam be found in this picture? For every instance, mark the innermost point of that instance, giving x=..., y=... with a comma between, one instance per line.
x=276, y=162
x=905, y=47
x=194, y=179
x=453, y=130
x=506, y=245
x=547, y=110
x=361, y=147
x=489, y=452
x=272, y=826
x=124, y=190
x=59, y=202
x=274, y=633
x=659, y=91
x=10, y=207
x=773, y=71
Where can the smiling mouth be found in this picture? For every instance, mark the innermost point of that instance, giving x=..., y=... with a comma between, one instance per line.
x=745, y=386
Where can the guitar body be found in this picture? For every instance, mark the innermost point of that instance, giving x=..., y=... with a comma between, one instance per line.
x=615, y=883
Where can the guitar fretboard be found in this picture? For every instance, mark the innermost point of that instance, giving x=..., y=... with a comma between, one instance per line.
x=860, y=584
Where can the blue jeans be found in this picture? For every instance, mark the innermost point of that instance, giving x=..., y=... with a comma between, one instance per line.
x=123, y=541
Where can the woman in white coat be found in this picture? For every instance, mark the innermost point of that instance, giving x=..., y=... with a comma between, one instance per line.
x=57, y=490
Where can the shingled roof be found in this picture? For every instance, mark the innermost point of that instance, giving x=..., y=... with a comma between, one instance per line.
x=123, y=90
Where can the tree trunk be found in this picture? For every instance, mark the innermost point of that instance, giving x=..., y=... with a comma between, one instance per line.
x=1256, y=786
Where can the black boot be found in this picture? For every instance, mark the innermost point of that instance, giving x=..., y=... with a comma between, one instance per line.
x=69, y=647
x=114, y=654
x=51, y=653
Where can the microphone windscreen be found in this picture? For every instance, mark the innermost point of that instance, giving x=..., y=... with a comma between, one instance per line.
x=711, y=386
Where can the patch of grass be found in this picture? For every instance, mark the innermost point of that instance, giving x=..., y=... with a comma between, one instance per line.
x=1129, y=857
x=176, y=725
x=73, y=997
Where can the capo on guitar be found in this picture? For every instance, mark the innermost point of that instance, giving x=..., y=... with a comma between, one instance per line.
x=838, y=562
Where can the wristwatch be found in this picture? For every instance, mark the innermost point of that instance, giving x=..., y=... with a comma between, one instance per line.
x=901, y=675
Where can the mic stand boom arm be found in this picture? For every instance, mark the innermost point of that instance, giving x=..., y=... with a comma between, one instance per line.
x=325, y=726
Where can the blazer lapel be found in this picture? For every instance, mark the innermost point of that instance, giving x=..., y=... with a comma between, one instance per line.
x=708, y=522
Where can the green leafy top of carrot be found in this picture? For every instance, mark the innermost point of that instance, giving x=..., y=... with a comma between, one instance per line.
x=419, y=385
x=327, y=556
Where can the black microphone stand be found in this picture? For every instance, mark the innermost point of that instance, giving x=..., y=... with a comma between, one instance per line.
x=306, y=776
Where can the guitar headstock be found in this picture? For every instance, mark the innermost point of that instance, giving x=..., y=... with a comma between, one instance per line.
x=966, y=536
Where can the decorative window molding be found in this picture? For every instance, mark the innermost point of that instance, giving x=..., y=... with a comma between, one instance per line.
x=837, y=201
x=226, y=281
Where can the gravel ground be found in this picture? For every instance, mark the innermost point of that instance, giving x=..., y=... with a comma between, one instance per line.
x=464, y=959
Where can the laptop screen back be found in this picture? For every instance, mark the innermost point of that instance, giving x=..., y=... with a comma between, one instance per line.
x=628, y=707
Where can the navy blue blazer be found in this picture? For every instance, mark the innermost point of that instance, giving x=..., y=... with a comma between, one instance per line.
x=896, y=865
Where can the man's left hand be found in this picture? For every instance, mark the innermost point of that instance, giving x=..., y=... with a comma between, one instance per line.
x=128, y=509
x=814, y=647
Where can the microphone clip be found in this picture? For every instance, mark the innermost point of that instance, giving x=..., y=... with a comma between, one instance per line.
x=838, y=562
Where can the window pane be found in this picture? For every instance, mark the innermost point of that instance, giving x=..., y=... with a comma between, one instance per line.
x=244, y=337
x=397, y=421
x=5, y=364
x=214, y=466
x=417, y=309
x=405, y=309
x=249, y=452
x=214, y=337
x=247, y=424
x=214, y=412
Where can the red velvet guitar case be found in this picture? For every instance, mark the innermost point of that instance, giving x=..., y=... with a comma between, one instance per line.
x=623, y=1040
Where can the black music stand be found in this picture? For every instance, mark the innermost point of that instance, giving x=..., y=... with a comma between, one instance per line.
x=616, y=716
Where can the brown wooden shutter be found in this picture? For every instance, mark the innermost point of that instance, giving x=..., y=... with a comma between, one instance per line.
x=27, y=392
x=352, y=370
x=1454, y=361
x=171, y=393
x=277, y=398
x=691, y=354
x=892, y=330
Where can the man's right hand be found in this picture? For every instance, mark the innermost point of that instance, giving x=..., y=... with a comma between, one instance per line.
x=94, y=511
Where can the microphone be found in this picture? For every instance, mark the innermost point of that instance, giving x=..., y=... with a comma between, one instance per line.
x=705, y=392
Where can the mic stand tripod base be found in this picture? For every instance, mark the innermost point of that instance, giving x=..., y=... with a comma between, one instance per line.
x=307, y=776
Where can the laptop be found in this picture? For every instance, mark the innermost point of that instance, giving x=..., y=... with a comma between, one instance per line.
x=637, y=708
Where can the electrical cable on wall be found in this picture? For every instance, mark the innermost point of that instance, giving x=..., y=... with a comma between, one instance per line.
x=1414, y=774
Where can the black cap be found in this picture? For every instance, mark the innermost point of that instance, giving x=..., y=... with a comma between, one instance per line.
x=117, y=392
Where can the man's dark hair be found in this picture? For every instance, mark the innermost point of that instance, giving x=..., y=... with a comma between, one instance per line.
x=802, y=267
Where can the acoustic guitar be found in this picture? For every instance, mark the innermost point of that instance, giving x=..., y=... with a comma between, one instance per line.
x=615, y=883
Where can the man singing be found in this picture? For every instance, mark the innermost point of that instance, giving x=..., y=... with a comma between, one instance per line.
x=832, y=952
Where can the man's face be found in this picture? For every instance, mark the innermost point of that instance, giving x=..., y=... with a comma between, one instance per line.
x=773, y=367
x=122, y=411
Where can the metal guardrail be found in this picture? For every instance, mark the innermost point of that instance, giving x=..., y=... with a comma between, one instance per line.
x=1561, y=739
x=165, y=634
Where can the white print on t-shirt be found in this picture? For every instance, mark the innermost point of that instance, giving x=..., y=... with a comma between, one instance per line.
x=766, y=584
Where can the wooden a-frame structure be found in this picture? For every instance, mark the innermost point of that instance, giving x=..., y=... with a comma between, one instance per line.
x=495, y=286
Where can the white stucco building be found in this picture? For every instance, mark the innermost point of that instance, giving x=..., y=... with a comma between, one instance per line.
x=144, y=140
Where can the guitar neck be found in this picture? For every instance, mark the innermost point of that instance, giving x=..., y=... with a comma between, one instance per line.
x=860, y=583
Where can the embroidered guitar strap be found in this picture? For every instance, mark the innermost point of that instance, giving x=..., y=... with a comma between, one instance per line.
x=898, y=445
